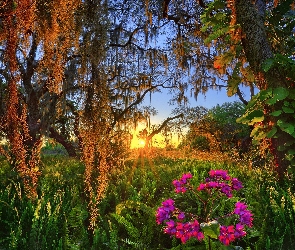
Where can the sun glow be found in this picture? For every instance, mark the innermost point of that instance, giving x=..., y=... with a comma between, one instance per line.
x=157, y=141
x=141, y=143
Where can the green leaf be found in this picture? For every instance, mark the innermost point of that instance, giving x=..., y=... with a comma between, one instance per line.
x=265, y=94
x=260, y=136
x=289, y=157
x=256, y=119
x=220, y=16
x=292, y=94
x=251, y=117
x=286, y=127
x=254, y=101
x=280, y=93
x=256, y=114
x=291, y=151
x=248, y=73
x=254, y=131
x=218, y=5
x=232, y=85
x=288, y=110
x=267, y=64
x=276, y=113
x=211, y=229
x=292, y=170
x=271, y=101
x=272, y=132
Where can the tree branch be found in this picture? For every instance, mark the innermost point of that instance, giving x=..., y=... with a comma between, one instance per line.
x=138, y=101
x=129, y=42
x=158, y=130
x=240, y=95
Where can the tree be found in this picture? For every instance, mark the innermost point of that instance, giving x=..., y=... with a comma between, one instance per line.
x=20, y=119
x=76, y=70
x=218, y=125
x=252, y=43
x=147, y=136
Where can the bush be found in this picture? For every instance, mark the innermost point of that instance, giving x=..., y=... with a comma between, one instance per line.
x=200, y=143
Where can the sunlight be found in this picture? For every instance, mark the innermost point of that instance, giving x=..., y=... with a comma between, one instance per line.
x=137, y=143
x=141, y=143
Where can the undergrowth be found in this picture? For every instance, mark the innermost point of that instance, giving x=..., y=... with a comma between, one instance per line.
x=58, y=218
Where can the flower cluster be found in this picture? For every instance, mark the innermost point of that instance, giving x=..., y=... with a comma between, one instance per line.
x=164, y=212
x=180, y=184
x=219, y=179
x=245, y=215
x=176, y=223
x=231, y=233
x=184, y=230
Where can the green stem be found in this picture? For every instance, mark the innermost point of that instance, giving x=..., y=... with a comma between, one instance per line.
x=209, y=243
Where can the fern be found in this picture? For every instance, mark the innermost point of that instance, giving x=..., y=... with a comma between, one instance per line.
x=135, y=245
x=128, y=226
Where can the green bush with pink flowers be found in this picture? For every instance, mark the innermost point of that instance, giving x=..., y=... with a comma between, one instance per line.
x=200, y=221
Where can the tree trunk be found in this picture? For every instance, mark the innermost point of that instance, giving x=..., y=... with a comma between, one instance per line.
x=257, y=48
x=60, y=139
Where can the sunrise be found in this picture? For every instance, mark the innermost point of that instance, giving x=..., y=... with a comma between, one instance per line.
x=147, y=124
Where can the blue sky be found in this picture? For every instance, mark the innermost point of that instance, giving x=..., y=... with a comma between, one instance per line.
x=211, y=99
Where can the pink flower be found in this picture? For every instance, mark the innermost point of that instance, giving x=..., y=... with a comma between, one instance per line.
x=227, y=235
x=244, y=214
x=236, y=184
x=202, y=186
x=181, y=216
x=222, y=183
x=164, y=212
x=180, y=184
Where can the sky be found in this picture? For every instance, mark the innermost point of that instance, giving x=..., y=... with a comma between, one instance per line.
x=211, y=99
x=160, y=102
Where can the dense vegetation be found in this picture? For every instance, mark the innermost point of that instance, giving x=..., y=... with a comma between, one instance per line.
x=58, y=219
x=79, y=71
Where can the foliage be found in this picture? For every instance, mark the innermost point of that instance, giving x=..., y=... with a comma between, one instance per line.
x=272, y=112
x=51, y=147
x=218, y=128
x=200, y=143
x=59, y=219
x=56, y=220
x=186, y=223
x=249, y=48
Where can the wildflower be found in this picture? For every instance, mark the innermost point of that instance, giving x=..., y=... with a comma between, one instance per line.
x=171, y=227
x=239, y=232
x=226, y=189
x=181, y=216
x=202, y=186
x=219, y=174
x=185, y=177
x=164, y=212
x=236, y=184
x=240, y=207
x=179, y=188
x=246, y=218
x=224, y=184
x=195, y=230
x=244, y=214
x=212, y=184
x=180, y=184
x=227, y=234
